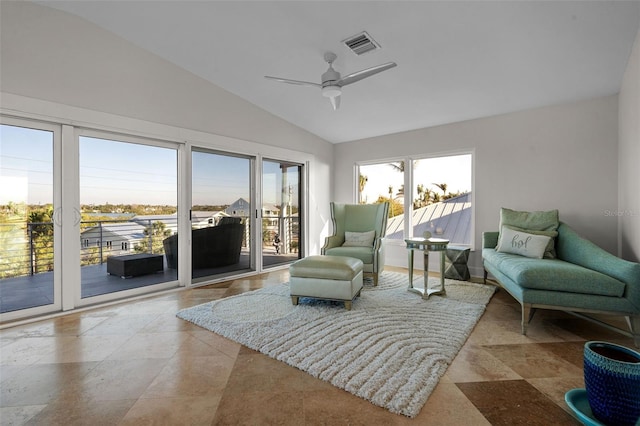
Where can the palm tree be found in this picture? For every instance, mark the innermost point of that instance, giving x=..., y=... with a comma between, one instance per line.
x=362, y=182
x=40, y=230
x=155, y=234
x=398, y=167
x=424, y=196
x=442, y=186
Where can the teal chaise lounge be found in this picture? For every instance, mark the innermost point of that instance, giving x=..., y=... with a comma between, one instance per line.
x=582, y=278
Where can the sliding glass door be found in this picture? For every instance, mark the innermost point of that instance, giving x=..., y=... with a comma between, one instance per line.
x=29, y=199
x=90, y=216
x=221, y=213
x=281, y=212
x=128, y=213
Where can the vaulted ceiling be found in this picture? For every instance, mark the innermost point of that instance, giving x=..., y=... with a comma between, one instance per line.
x=456, y=60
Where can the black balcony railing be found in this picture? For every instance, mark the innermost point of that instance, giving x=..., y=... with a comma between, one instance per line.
x=27, y=248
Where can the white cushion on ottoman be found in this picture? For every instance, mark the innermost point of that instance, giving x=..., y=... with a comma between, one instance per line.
x=326, y=277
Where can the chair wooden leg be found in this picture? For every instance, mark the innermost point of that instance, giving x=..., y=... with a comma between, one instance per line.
x=375, y=279
x=527, y=315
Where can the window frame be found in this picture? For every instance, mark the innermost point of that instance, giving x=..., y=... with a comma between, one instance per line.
x=59, y=236
x=409, y=182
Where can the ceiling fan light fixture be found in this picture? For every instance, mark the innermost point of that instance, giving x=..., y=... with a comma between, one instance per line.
x=331, y=91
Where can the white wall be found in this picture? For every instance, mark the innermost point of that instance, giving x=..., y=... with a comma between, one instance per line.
x=629, y=157
x=55, y=57
x=558, y=157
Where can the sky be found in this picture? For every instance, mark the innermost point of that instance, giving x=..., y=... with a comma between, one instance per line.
x=26, y=165
x=127, y=173
x=219, y=179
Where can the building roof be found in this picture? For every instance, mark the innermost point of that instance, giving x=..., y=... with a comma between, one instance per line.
x=155, y=217
x=124, y=230
x=450, y=219
x=203, y=216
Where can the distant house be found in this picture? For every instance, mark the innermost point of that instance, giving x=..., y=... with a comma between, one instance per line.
x=240, y=207
x=202, y=219
x=270, y=217
x=114, y=237
x=450, y=219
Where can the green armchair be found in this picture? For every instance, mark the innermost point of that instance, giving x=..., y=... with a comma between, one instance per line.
x=352, y=225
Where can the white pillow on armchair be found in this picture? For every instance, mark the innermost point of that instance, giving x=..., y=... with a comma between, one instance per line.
x=359, y=239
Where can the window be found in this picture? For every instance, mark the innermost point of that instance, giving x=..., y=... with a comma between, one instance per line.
x=441, y=198
x=439, y=202
x=382, y=182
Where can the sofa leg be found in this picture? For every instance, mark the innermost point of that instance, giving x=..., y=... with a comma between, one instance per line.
x=527, y=315
x=485, y=276
x=633, y=321
x=375, y=279
x=294, y=300
x=347, y=305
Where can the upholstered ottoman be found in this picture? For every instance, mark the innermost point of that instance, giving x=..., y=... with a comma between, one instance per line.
x=326, y=277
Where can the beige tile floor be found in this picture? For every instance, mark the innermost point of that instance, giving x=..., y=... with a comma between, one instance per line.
x=135, y=363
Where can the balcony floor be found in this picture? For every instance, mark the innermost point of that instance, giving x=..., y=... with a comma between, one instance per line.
x=37, y=290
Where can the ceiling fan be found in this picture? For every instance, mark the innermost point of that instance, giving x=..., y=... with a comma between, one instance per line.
x=332, y=83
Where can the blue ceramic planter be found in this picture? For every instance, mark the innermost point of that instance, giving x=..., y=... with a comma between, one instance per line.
x=612, y=380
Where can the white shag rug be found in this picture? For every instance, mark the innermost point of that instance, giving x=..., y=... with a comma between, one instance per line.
x=390, y=349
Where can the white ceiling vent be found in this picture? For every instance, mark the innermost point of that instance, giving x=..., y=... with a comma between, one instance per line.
x=361, y=43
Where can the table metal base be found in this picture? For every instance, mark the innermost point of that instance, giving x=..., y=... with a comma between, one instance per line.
x=426, y=245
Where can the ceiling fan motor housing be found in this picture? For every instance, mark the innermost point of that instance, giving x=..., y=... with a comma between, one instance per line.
x=330, y=79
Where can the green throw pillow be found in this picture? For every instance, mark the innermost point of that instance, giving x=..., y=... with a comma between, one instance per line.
x=538, y=223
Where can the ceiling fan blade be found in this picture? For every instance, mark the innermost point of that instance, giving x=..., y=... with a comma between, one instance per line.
x=335, y=102
x=298, y=82
x=359, y=75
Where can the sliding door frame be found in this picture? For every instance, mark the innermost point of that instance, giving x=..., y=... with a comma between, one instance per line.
x=118, y=137
x=29, y=112
x=58, y=216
